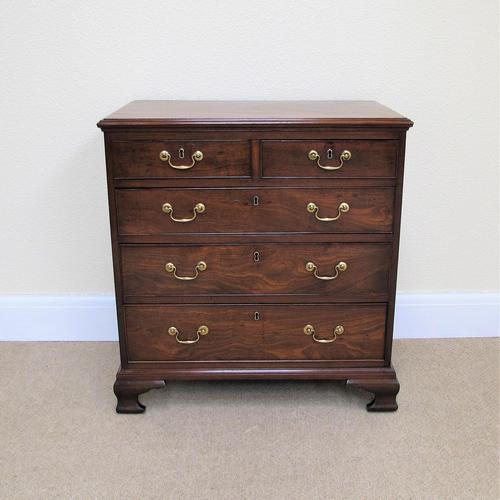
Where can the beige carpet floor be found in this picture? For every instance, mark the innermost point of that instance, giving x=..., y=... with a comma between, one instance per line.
x=60, y=436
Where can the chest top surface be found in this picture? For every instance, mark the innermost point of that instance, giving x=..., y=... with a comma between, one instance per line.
x=326, y=113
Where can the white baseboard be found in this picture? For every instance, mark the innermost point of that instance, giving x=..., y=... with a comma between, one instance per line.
x=86, y=318
x=58, y=317
x=444, y=315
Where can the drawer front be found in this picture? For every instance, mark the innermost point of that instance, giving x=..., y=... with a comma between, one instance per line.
x=256, y=269
x=295, y=210
x=342, y=158
x=211, y=333
x=161, y=159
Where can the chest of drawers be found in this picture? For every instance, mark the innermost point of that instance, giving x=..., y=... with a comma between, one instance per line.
x=255, y=240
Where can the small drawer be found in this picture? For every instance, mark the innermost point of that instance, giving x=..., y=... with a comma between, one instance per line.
x=344, y=271
x=142, y=159
x=150, y=212
x=255, y=332
x=329, y=158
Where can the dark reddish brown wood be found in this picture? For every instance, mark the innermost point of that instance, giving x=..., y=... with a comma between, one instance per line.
x=243, y=142
x=289, y=158
x=398, y=199
x=384, y=392
x=251, y=299
x=254, y=210
x=219, y=132
x=186, y=238
x=280, y=269
x=233, y=113
x=138, y=159
x=116, y=254
x=255, y=160
x=256, y=332
x=176, y=182
x=255, y=370
x=127, y=393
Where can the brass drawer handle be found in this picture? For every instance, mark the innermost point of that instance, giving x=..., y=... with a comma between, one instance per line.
x=202, y=330
x=196, y=156
x=314, y=209
x=340, y=267
x=313, y=155
x=200, y=267
x=338, y=330
x=199, y=208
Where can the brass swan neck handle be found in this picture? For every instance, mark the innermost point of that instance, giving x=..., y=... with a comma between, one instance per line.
x=340, y=267
x=313, y=155
x=200, y=267
x=314, y=209
x=202, y=330
x=166, y=156
x=338, y=330
x=199, y=208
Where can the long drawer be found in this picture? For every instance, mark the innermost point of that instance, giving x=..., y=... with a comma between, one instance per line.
x=277, y=332
x=347, y=271
x=296, y=210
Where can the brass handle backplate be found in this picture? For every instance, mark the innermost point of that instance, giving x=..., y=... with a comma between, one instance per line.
x=202, y=330
x=313, y=155
x=338, y=330
x=199, y=208
x=200, y=267
x=314, y=209
x=166, y=156
x=340, y=267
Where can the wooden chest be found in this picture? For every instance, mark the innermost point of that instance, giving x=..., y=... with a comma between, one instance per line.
x=255, y=240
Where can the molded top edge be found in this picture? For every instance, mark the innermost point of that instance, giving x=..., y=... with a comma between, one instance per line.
x=322, y=113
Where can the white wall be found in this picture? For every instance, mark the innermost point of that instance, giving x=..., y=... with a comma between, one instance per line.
x=64, y=65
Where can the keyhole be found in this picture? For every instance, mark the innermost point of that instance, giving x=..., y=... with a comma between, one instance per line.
x=256, y=316
x=329, y=153
x=181, y=152
x=256, y=200
x=256, y=256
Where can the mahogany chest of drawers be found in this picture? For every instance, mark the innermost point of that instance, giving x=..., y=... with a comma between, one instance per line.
x=255, y=240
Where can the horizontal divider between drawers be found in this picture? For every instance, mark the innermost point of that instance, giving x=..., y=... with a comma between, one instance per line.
x=331, y=302
x=235, y=299
x=242, y=238
x=256, y=182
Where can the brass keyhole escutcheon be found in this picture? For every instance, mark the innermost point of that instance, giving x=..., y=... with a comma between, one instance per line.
x=256, y=256
x=256, y=200
x=256, y=316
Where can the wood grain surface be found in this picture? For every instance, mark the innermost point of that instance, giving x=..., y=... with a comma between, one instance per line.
x=231, y=269
x=140, y=159
x=311, y=113
x=255, y=210
x=235, y=334
x=289, y=158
